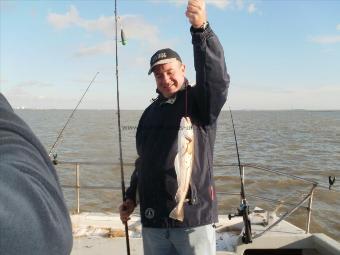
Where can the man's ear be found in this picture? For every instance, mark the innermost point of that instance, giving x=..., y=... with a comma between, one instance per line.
x=182, y=68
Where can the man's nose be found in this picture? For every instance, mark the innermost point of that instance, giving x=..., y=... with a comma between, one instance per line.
x=166, y=78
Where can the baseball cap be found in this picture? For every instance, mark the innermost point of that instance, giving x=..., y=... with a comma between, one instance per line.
x=163, y=56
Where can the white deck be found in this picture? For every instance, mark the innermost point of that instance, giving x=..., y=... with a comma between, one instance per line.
x=103, y=233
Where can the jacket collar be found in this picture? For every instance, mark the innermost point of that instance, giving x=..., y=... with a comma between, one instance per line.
x=171, y=100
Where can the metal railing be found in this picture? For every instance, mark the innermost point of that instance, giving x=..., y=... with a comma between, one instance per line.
x=308, y=197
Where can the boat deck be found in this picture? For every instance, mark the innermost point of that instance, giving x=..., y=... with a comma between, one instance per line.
x=103, y=233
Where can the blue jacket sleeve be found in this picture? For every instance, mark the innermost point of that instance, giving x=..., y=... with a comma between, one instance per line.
x=131, y=192
x=212, y=79
x=33, y=214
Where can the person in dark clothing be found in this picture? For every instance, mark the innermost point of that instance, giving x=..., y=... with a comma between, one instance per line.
x=154, y=178
x=33, y=216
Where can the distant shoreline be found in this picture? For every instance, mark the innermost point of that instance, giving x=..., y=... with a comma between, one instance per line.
x=245, y=110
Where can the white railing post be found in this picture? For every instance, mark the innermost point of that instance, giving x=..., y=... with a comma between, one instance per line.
x=78, y=187
x=309, y=209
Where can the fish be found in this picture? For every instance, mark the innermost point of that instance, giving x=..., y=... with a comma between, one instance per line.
x=183, y=166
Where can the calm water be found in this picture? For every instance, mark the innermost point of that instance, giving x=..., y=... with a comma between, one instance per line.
x=303, y=143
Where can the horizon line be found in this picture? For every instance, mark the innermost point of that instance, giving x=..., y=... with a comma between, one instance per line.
x=224, y=110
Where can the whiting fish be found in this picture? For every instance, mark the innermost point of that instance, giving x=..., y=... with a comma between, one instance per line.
x=183, y=166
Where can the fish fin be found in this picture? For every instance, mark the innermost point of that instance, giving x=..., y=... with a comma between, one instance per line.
x=177, y=197
x=177, y=214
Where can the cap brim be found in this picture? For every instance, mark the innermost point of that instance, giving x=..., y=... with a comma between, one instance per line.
x=161, y=62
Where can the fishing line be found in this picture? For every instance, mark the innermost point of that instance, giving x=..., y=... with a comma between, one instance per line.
x=69, y=118
x=123, y=40
x=186, y=100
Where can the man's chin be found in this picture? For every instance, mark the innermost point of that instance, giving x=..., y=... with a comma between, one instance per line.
x=169, y=94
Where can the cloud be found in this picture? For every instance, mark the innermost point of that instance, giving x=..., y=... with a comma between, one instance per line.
x=103, y=48
x=20, y=99
x=61, y=21
x=251, y=8
x=104, y=24
x=17, y=91
x=37, y=84
x=321, y=98
x=239, y=4
x=230, y=4
x=221, y=4
x=327, y=39
x=136, y=27
x=328, y=50
x=35, y=95
x=26, y=88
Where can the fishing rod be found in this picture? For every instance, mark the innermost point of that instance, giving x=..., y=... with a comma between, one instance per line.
x=123, y=41
x=244, y=207
x=68, y=120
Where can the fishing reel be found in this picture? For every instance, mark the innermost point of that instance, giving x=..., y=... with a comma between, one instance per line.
x=243, y=208
x=244, y=212
x=55, y=160
x=232, y=215
x=331, y=181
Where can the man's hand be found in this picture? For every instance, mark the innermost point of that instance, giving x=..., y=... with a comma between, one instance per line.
x=125, y=210
x=196, y=13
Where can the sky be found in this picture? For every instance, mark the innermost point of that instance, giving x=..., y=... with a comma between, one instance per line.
x=279, y=54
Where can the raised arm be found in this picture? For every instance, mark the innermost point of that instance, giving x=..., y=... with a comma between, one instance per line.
x=212, y=79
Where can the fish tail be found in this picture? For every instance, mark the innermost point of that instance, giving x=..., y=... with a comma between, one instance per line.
x=177, y=214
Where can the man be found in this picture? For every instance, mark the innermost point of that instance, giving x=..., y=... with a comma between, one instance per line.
x=154, y=176
x=33, y=216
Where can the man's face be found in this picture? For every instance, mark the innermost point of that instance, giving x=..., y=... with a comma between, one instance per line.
x=169, y=77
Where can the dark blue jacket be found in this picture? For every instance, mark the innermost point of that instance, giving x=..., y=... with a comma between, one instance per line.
x=34, y=218
x=156, y=139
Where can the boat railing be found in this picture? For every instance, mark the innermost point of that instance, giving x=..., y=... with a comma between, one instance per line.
x=309, y=197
